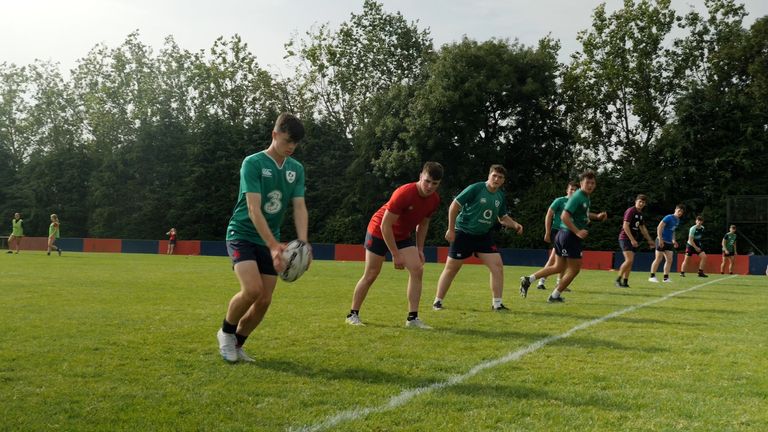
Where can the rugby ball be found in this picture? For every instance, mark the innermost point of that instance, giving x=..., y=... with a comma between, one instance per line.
x=296, y=259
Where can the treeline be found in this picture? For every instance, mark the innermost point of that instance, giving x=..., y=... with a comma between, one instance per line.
x=133, y=141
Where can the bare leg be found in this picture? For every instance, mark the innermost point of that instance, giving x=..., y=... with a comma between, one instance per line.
x=373, y=265
x=451, y=269
x=496, y=266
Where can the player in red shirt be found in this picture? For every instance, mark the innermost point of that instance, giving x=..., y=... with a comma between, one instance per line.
x=391, y=230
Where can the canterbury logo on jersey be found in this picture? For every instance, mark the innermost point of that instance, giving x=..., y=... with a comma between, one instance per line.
x=266, y=172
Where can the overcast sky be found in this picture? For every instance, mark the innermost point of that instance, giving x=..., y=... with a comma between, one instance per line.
x=65, y=30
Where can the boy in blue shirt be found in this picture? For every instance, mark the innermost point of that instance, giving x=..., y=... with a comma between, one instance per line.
x=666, y=243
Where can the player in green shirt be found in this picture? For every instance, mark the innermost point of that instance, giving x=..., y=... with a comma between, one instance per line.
x=568, y=241
x=729, y=250
x=53, y=234
x=269, y=181
x=471, y=216
x=552, y=221
x=695, y=247
x=17, y=232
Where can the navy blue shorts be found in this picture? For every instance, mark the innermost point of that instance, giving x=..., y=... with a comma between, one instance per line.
x=626, y=245
x=568, y=244
x=691, y=251
x=465, y=245
x=665, y=247
x=243, y=250
x=379, y=246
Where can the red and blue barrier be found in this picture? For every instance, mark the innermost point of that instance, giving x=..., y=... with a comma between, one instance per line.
x=592, y=260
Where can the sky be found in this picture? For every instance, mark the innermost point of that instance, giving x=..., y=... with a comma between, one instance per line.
x=64, y=31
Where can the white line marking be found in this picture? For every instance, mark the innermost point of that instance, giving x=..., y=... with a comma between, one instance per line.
x=407, y=395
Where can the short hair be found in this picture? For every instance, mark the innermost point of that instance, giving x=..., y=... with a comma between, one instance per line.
x=434, y=170
x=641, y=197
x=680, y=206
x=574, y=183
x=290, y=124
x=700, y=217
x=499, y=169
x=588, y=174
x=733, y=226
x=54, y=216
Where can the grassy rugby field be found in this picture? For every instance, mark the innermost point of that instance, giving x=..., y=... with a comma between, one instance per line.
x=126, y=342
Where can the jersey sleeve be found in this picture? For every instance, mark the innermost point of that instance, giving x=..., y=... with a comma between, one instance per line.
x=467, y=195
x=250, y=176
x=555, y=204
x=398, y=202
x=692, y=231
x=574, y=202
x=629, y=214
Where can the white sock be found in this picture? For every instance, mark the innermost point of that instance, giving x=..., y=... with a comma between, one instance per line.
x=555, y=294
x=541, y=281
x=438, y=299
x=532, y=277
x=496, y=302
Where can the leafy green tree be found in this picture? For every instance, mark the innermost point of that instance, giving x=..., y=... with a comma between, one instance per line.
x=368, y=54
x=620, y=88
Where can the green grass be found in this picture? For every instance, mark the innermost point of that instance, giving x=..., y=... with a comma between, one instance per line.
x=94, y=342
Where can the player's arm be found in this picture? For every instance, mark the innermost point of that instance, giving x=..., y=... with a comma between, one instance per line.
x=659, y=231
x=301, y=222
x=646, y=234
x=722, y=245
x=421, y=237
x=548, y=225
x=626, y=227
x=511, y=223
x=388, y=233
x=453, y=213
x=566, y=218
x=598, y=216
x=253, y=199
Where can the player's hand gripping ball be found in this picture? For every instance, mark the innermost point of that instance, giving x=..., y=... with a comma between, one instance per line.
x=296, y=258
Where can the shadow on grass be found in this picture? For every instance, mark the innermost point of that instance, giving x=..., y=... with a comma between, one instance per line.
x=525, y=393
x=625, y=319
x=363, y=375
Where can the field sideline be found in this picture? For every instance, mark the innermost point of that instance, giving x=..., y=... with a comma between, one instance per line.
x=127, y=342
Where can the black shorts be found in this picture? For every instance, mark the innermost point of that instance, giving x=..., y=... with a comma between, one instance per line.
x=691, y=251
x=626, y=245
x=243, y=250
x=729, y=254
x=568, y=244
x=379, y=246
x=172, y=242
x=465, y=245
x=665, y=247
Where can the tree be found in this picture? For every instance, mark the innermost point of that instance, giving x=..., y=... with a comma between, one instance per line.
x=371, y=52
x=620, y=88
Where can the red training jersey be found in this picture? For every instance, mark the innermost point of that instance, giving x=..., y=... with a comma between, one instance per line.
x=411, y=209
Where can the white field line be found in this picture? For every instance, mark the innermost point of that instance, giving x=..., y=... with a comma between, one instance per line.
x=407, y=395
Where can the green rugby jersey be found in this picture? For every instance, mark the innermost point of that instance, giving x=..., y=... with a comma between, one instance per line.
x=696, y=233
x=730, y=241
x=557, y=207
x=578, y=207
x=277, y=185
x=480, y=208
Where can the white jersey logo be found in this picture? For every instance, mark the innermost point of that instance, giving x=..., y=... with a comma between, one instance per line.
x=290, y=176
x=266, y=172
